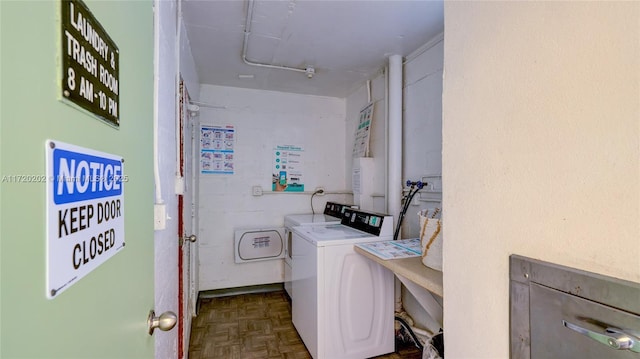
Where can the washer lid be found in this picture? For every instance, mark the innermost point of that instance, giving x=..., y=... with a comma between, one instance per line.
x=335, y=234
x=293, y=220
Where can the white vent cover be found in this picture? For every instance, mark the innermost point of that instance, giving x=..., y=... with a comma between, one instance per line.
x=259, y=244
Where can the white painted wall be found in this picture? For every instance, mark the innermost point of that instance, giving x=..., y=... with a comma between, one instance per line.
x=541, y=118
x=264, y=119
x=422, y=134
x=422, y=124
x=422, y=139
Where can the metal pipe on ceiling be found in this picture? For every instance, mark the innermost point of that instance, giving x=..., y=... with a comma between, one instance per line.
x=309, y=71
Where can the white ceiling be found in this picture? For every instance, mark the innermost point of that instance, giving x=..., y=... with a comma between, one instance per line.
x=347, y=42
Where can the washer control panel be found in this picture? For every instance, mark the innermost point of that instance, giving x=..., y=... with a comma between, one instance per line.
x=335, y=209
x=370, y=222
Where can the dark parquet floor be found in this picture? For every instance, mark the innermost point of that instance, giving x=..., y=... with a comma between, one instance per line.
x=255, y=325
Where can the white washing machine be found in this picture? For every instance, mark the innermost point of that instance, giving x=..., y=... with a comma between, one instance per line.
x=332, y=215
x=343, y=302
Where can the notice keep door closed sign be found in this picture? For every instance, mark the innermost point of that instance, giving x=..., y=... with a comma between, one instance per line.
x=85, y=212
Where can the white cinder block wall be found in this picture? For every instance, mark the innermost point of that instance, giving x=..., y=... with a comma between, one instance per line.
x=262, y=120
x=422, y=140
x=541, y=139
x=422, y=123
x=422, y=134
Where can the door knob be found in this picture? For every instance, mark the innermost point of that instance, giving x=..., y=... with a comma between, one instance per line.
x=166, y=321
x=192, y=238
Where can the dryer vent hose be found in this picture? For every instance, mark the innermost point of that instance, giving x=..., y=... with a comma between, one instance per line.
x=406, y=326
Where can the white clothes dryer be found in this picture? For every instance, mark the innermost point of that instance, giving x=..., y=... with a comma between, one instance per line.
x=332, y=215
x=342, y=304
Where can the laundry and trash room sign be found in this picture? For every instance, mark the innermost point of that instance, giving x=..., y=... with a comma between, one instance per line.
x=90, y=63
x=85, y=212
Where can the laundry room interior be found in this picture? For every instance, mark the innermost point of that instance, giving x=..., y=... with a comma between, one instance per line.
x=274, y=109
x=275, y=99
x=324, y=127
x=319, y=179
x=270, y=108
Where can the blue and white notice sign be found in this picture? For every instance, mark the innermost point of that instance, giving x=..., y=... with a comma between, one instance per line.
x=85, y=212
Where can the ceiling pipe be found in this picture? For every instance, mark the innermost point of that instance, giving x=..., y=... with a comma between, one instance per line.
x=309, y=71
x=204, y=104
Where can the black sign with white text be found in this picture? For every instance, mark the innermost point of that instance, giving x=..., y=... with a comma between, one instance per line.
x=89, y=63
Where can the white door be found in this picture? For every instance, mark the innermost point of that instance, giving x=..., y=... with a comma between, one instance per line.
x=186, y=228
x=191, y=174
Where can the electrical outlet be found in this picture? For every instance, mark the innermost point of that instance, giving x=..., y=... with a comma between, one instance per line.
x=320, y=189
x=256, y=190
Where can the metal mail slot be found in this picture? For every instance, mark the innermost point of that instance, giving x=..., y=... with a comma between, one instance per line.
x=561, y=312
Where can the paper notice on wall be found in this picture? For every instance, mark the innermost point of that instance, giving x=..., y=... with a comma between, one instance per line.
x=288, y=169
x=361, y=143
x=217, y=149
x=356, y=184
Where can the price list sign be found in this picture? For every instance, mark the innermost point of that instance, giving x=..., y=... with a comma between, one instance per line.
x=90, y=66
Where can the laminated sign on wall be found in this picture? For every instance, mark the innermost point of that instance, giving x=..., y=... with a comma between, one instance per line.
x=361, y=143
x=216, y=149
x=85, y=212
x=287, y=169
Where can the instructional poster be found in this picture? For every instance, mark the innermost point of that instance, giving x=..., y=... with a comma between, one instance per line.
x=361, y=143
x=217, y=149
x=287, y=169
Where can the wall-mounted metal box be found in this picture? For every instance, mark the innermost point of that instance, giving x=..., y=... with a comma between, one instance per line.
x=561, y=312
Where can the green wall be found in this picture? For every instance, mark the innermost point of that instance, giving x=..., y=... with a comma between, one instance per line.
x=104, y=313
